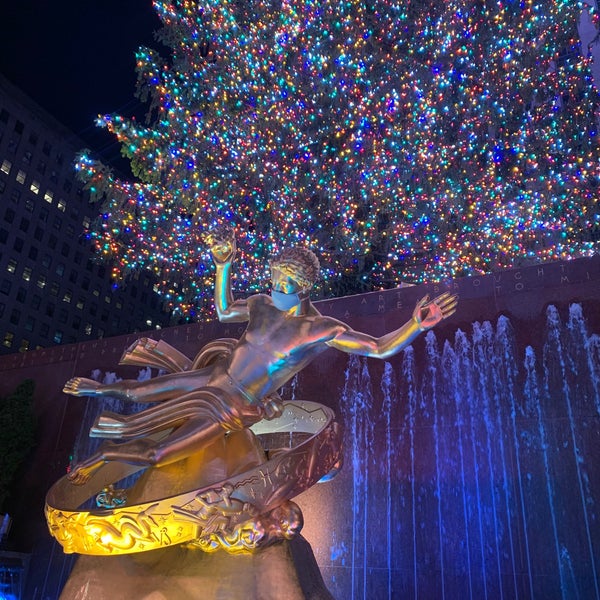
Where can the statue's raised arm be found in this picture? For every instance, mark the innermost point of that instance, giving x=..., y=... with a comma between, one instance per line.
x=427, y=314
x=221, y=243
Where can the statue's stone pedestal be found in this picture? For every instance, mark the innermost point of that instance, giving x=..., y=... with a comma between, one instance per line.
x=284, y=571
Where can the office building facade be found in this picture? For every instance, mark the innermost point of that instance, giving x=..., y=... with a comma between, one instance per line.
x=53, y=289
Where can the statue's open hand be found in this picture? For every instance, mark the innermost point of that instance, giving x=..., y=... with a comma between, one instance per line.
x=429, y=313
x=221, y=242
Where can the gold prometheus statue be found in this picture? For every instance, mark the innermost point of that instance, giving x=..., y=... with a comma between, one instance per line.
x=230, y=387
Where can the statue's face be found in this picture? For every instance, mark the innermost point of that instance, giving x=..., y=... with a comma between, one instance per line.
x=285, y=290
x=280, y=282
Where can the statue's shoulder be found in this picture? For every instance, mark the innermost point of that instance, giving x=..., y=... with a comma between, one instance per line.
x=328, y=323
x=258, y=300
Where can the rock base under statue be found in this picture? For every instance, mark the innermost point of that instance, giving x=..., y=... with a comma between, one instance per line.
x=286, y=570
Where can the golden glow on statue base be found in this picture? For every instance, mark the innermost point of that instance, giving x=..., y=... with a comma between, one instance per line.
x=241, y=513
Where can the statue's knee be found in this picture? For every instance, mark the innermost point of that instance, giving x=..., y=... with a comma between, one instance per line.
x=154, y=456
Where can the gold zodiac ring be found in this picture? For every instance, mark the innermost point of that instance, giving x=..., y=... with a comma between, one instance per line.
x=303, y=445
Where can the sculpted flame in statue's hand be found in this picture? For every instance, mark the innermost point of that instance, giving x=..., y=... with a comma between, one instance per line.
x=285, y=333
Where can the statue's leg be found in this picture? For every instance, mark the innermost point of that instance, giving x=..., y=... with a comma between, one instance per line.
x=190, y=437
x=156, y=389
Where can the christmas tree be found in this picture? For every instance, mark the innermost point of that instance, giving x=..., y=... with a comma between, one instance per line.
x=402, y=141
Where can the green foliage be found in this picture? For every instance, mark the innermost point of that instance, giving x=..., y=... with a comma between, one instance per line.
x=17, y=434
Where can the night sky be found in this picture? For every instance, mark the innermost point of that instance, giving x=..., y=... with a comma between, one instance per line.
x=76, y=58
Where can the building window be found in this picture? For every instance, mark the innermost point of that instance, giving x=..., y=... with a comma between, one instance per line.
x=41, y=167
x=50, y=309
x=21, y=294
x=43, y=216
x=36, y=301
x=57, y=224
x=46, y=261
x=24, y=225
x=63, y=314
x=35, y=187
x=73, y=276
x=48, y=196
x=38, y=234
x=24, y=345
x=58, y=336
x=68, y=296
x=19, y=243
x=52, y=242
x=11, y=267
x=60, y=269
x=27, y=157
x=65, y=249
x=87, y=221
x=33, y=253
x=41, y=282
x=19, y=126
x=15, y=196
x=85, y=284
x=15, y=316
x=80, y=303
x=27, y=273
x=62, y=205
x=9, y=215
x=3, y=235
x=44, y=329
x=21, y=175
x=76, y=322
x=88, y=329
x=29, y=205
x=29, y=323
x=54, y=287
x=5, y=286
x=6, y=166
x=8, y=339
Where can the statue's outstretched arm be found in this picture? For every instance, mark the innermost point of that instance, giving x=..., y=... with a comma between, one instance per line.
x=221, y=242
x=426, y=315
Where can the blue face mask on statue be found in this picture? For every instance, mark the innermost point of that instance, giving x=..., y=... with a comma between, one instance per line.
x=284, y=301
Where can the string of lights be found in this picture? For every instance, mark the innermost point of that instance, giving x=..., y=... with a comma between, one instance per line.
x=402, y=142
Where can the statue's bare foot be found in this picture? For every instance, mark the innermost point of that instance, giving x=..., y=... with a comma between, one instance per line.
x=83, y=472
x=80, y=386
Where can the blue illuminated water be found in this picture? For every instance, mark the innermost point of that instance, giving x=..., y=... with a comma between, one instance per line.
x=474, y=466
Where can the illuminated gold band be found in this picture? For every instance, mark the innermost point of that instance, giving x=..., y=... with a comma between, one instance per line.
x=216, y=509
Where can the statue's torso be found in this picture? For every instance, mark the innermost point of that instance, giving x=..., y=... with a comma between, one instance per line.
x=276, y=346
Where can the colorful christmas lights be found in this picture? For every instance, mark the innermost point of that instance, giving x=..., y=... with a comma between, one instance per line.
x=409, y=141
